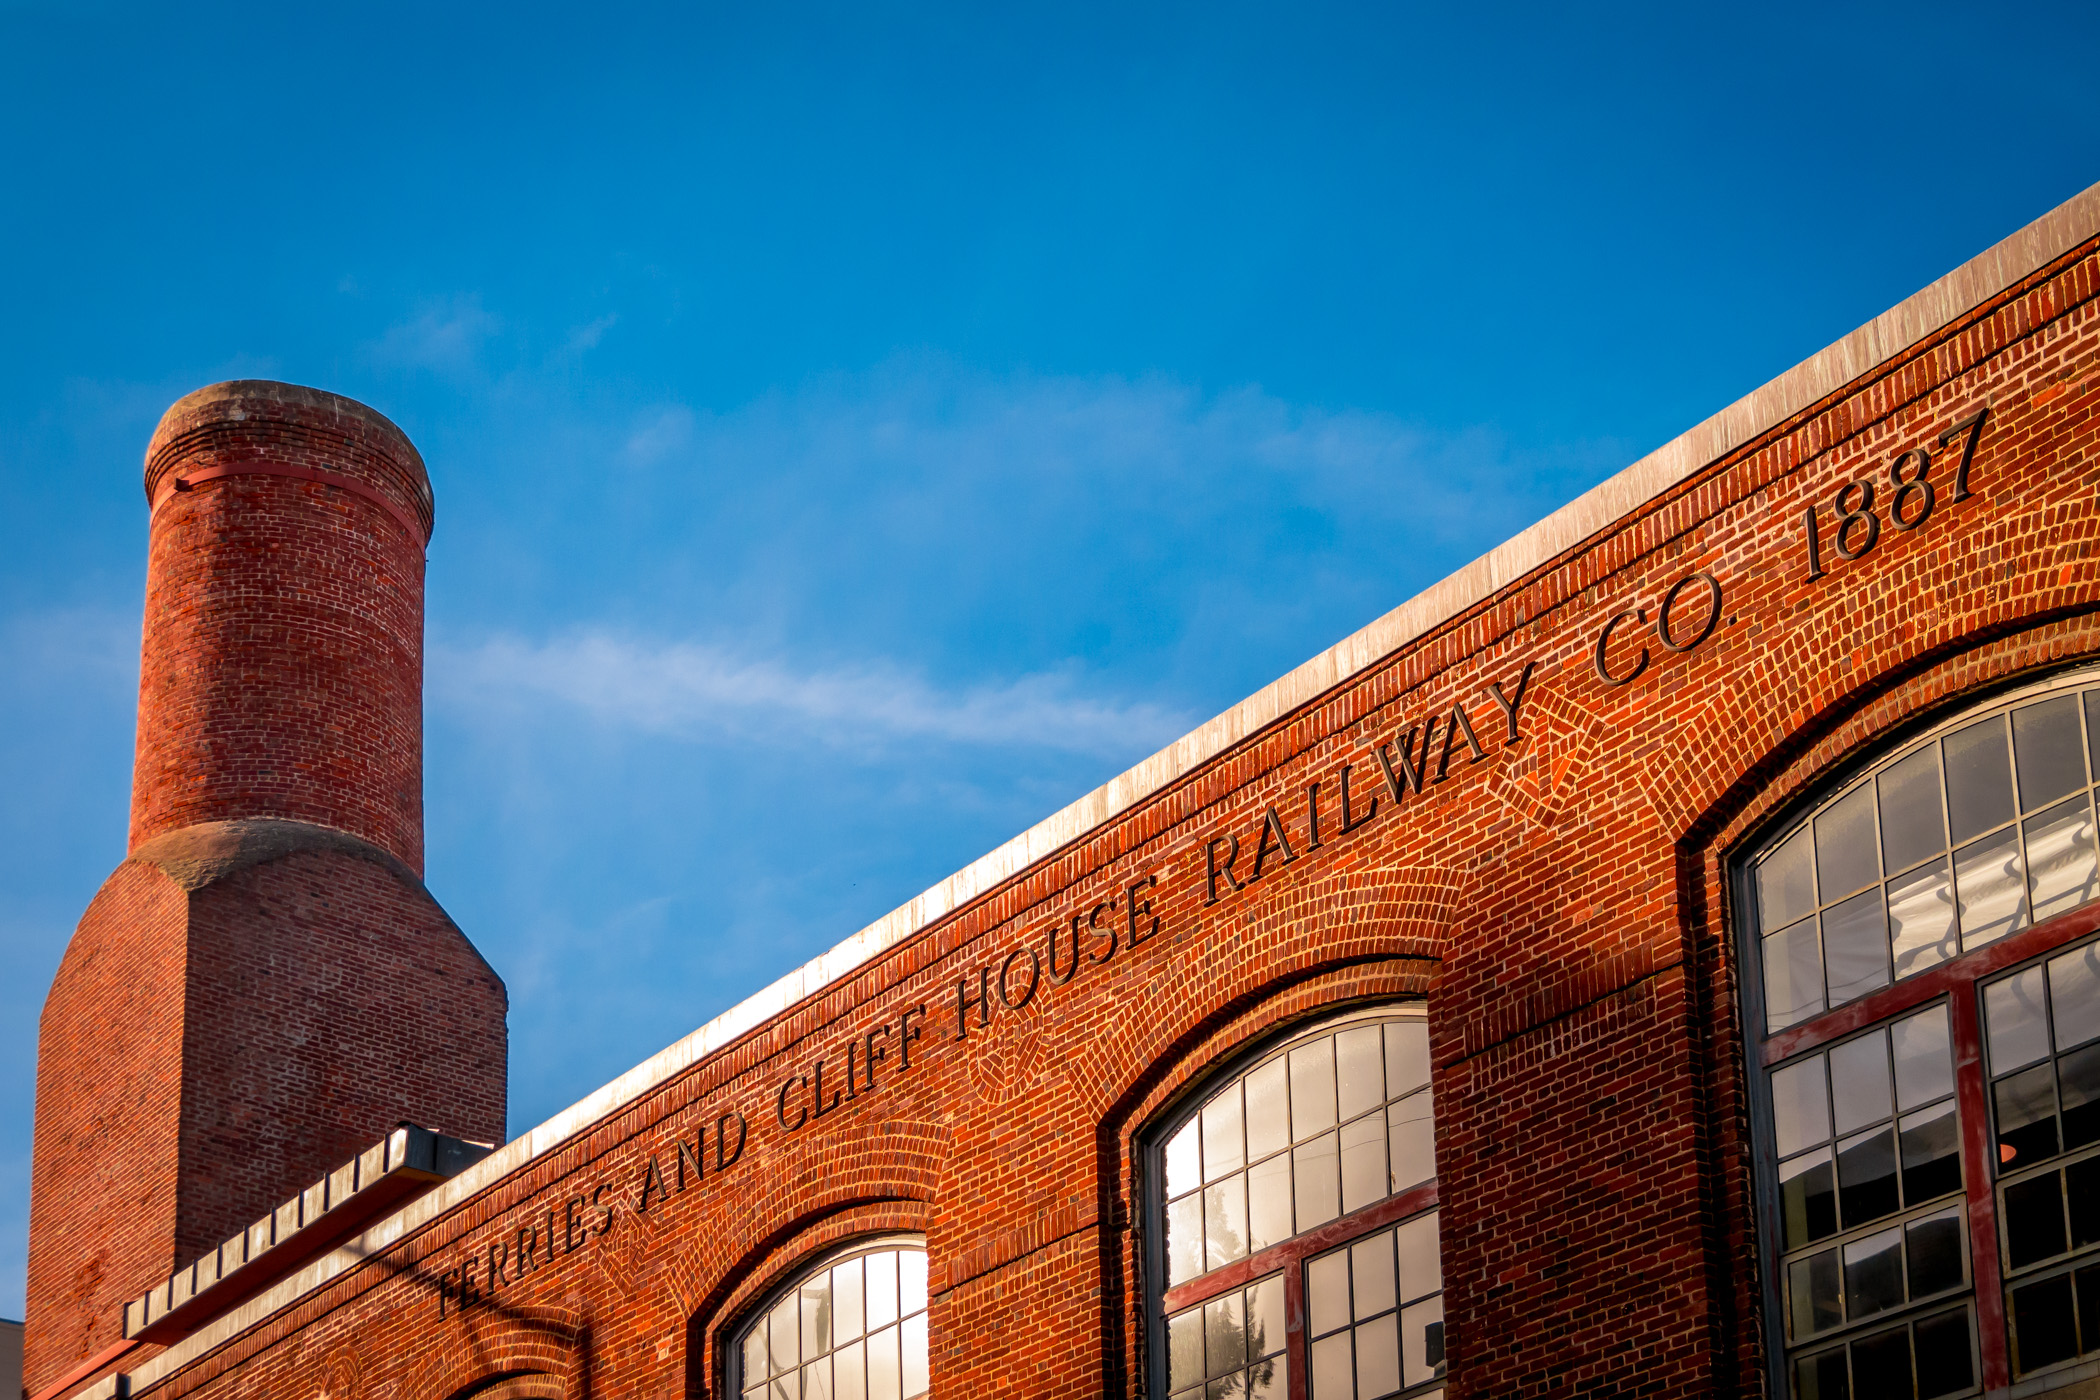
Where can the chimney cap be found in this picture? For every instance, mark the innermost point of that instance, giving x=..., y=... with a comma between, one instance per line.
x=267, y=400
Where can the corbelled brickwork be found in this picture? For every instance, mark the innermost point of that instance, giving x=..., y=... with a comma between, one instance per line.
x=264, y=987
x=1561, y=774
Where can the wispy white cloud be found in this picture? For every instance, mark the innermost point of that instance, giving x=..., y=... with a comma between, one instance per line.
x=696, y=690
x=446, y=336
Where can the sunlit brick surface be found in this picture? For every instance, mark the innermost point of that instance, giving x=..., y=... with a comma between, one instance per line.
x=1561, y=899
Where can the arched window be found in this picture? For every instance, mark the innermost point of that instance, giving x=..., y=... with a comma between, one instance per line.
x=1295, y=1225
x=852, y=1328
x=1925, y=1027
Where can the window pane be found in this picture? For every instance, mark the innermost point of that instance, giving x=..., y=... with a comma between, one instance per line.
x=885, y=1366
x=1364, y=1177
x=1185, y=1159
x=1269, y=1202
x=1224, y=1222
x=1913, y=826
x=2074, y=995
x=1881, y=1366
x=1933, y=1250
x=2043, y=1332
x=757, y=1365
x=2034, y=1220
x=1921, y=918
x=1867, y=1177
x=2026, y=1105
x=1946, y=1363
x=1378, y=1357
x=1422, y=1336
x=1859, y=1082
x=1421, y=1263
x=1821, y=1377
x=1786, y=887
x=1371, y=1275
x=1359, y=1061
x=1845, y=854
x=1316, y=1181
x=1931, y=1146
x=1815, y=1299
x=1406, y=1056
x=816, y=1380
x=1874, y=1274
x=882, y=1289
x=2078, y=1087
x=1856, y=946
x=1990, y=890
x=2014, y=1019
x=911, y=1281
x=1808, y=1198
x=1793, y=976
x=1312, y=1089
x=1271, y=1380
x=1265, y=1321
x=816, y=1316
x=1224, y=1146
x=1184, y=1239
x=2082, y=1187
x=1413, y=1134
x=2048, y=751
x=788, y=1387
x=916, y=1380
x=1268, y=1110
x=1225, y=1334
x=1979, y=778
x=1327, y=1293
x=849, y=1372
x=1924, y=1059
x=1800, y=1105
x=2060, y=858
x=785, y=1332
x=1185, y=1349
x=1333, y=1377
x=847, y=1320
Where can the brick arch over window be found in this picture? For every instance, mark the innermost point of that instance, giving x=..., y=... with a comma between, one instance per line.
x=528, y=1385
x=796, y=1245
x=504, y=1354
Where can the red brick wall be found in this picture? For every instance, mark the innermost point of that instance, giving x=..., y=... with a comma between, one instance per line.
x=1561, y=901
x=264, y=988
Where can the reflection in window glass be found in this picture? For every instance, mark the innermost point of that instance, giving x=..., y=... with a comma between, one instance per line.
x=1317, y=1132
x=2042, y=1041
x=854, y=1329
x=1968, y=837
x=1375, y=1313
x=1232, y=1345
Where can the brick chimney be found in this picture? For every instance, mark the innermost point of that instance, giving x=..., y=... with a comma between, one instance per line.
x=263, y=987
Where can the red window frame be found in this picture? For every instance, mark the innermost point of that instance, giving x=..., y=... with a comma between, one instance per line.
x=1958, y=981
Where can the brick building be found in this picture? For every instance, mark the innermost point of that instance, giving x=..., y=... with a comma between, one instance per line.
x=1663, y=958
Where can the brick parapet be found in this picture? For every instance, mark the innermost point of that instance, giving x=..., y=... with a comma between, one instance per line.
x=1567, y=889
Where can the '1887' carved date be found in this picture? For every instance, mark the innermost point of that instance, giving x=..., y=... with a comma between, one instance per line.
x=1910, y=496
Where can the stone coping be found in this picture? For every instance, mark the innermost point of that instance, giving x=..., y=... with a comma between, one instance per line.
x=1598, y=509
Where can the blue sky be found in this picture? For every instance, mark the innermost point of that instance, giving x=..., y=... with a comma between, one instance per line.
x=858, y=432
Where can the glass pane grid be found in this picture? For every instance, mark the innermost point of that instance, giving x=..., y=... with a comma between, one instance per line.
x=1231, y=1346
x=2042, y=1043
x=853, y=1330
x=1972, y=835
x=1320, y=1130
x=1375, y=1314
